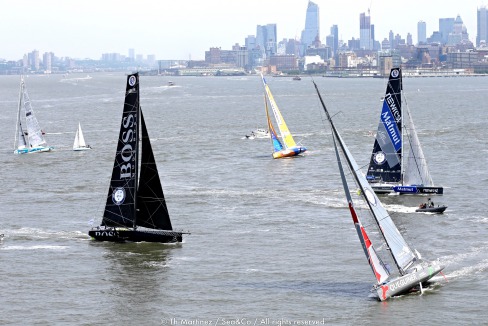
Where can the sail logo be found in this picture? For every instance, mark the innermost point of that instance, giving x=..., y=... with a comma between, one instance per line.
x=392, y=128
x=127, y=151
x=404, y=281
x=118, y=196
x=379, y=158
x=394, y=110
x=132, y=80
x=395, y=73
x=105, y=234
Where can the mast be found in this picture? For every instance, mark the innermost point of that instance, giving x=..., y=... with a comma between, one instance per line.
x=286, y=137
x=402, y=163
x=119, y=207
x=17, y=131
x=138, y=118
x=358, y=182
x=267, y=117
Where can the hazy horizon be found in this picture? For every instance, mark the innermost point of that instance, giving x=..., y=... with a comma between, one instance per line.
x=185, y=30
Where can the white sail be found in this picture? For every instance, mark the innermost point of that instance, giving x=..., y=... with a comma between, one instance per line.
x=76, y=143
x=416, y=171
x=399, y=248
x=34, y=132
x=79, y=139
x=28, y=136
x=20, y=141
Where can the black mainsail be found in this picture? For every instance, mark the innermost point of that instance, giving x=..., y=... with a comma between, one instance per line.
x=386, y=160
x=135, y=196
x=397, y=162
x=120, y=208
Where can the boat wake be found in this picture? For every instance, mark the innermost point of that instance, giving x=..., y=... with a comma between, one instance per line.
x=36, y=234
x=35, y=247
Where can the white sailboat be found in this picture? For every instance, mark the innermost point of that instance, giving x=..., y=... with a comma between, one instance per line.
x=397, y=267
x=79, y=143
x=29, y=137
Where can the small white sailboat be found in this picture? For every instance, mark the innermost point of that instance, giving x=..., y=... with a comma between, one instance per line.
x=79, y=143
x=29, y=138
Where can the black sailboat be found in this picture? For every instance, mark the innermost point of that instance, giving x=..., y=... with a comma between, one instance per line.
x=135, y=209
x=398, y=164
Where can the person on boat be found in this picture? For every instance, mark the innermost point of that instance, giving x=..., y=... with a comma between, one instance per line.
x=423, y=205
x=430, y=203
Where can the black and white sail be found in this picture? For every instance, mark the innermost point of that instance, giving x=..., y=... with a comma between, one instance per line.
x=386, y=159
x=135, y=197
x=397, y=162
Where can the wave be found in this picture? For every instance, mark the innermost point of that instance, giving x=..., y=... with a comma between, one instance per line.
x=35, y=247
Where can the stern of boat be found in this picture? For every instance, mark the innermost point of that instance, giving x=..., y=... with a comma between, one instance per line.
x=130, y=235
x=420, y=273
x=289, y=152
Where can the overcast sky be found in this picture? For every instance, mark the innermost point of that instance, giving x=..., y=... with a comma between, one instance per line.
x=185, y=29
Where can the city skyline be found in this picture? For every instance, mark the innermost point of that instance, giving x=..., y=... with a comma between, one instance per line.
x=173, y=31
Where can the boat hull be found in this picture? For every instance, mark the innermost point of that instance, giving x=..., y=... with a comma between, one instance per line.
x=407, y=190
x=130, y=235
x=39, y=149
x=406, y=283
x=79, y=149
x=289, y=152
x=438, y=209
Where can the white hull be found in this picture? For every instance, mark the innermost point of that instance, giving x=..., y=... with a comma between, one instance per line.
x=39, y=149
x=404, y=284
x=79, y=149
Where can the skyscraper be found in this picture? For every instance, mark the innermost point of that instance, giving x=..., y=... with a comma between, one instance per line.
x=421, y=32
x=446, y=26
x=365, y=41
x=266, y=40
x=332, y=40
x=312, y=26
x=482, y=26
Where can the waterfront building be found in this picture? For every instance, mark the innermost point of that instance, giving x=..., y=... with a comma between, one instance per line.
x=47, y=61
x=266, y=40
x=446, y=26
x=334, y=31
x=482, y=26
x=421, y=32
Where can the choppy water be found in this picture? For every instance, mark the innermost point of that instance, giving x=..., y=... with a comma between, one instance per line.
x=270, y=238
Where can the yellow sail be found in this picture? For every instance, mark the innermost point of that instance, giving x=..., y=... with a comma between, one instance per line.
x=286, y=136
